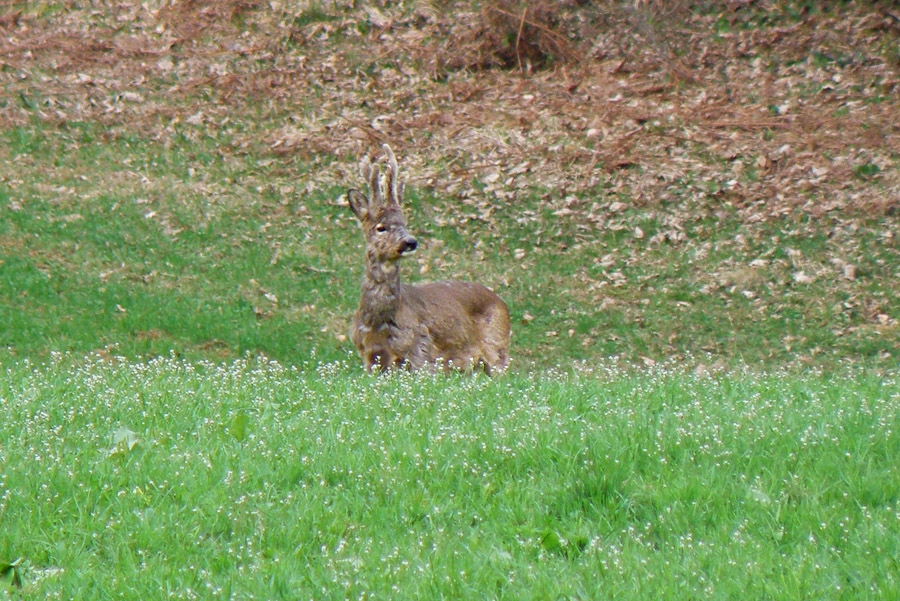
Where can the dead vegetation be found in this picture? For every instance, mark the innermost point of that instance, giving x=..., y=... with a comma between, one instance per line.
x=754, y=105
x=508, y=34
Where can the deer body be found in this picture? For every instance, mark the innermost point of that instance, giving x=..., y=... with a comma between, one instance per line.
x=458, y=324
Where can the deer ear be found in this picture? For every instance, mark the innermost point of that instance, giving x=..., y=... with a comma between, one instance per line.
x=358, y=203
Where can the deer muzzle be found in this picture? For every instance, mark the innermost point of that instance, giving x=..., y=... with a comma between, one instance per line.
x=408, y=245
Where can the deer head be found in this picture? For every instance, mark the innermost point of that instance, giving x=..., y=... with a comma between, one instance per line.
x=380, y=214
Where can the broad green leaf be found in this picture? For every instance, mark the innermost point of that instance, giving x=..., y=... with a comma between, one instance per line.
x=238, y=427
x=12, y=571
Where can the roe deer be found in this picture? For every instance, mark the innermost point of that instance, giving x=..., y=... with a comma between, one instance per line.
x=458, y=324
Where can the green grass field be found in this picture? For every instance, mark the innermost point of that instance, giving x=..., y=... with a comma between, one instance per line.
x=704, y=283
x=251, y=480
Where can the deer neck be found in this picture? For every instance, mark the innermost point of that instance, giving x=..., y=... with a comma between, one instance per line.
x=380, y=297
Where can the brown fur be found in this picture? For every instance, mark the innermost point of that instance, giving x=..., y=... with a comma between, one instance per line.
x=457, y=324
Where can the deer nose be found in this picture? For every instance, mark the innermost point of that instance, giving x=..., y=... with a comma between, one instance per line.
x=409, y=245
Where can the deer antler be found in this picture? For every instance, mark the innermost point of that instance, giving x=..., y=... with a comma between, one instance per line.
x=393, y=183
x=370, y=173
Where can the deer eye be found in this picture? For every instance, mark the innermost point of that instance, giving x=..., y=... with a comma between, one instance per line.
x=381, y=228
